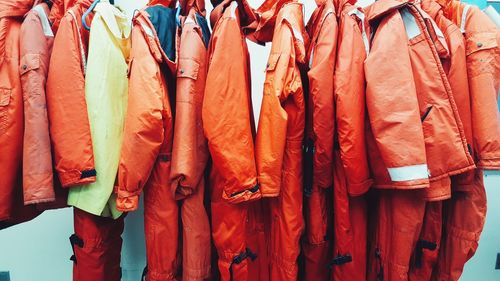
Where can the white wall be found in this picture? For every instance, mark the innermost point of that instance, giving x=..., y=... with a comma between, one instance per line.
x=40, y=250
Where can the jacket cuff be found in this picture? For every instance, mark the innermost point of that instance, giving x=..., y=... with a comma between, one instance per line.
x=489, y=164
x=126, y=201
x=269, y=187
x=77, y=177
x=246, y=195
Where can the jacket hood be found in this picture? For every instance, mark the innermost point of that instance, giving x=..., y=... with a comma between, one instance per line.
x=59, y=9
x=197, y=5
x=266, y=14
x=382, y=7
x=248, y=19
x=339, y=4
x=15, y=8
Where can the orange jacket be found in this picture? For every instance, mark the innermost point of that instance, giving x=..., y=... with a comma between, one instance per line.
x=454, y=66
x=482, y=40
x=147, y=140
x=11, y=105
x=349, y=94
x=282, y=116
x=69, y=124
x=412, y=113
x=36, y=40
x=190, y=152
x=227, y=107
x=322, y=28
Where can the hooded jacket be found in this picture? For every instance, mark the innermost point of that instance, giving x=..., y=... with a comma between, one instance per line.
x=36, y=39
x=421, y=139
x=66, y=105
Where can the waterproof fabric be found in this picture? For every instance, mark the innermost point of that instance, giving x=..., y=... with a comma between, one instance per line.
x=106, y=87
x=66, y=105
x=145, y=159
x=483, y=68
x=227, y=104
x=427, y=122
x=58, y=10
x=351, y=173
x=322, y=29
x=36, y=41
x=279, y=139
x=11, y=111
x=190, y=151
x=97, y=245
x=464, y=217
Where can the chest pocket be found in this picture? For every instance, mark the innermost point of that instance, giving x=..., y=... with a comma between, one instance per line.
x=188, y=68
x=4, y=102
x=29, y=62
x=482, y=51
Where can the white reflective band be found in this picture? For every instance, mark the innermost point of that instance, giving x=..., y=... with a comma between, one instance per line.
x=361, y=16
x=189, y=20
x=311, y=58
x=233, y=7
x=148, y=30
x=407, y=173
x=464, y=17
x=410, y=23
x=47, y=29
x=297, y=34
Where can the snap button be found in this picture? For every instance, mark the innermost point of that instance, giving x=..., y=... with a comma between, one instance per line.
x=25, y=67
x=479, y=44
x=181, y=71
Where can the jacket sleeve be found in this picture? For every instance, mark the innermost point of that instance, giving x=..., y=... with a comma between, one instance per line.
x=483, y=69
x=392, y=103
x=322, y=102
x=350, y=103
x=143, y=131
x=67, y=108
x=189, y=151
x=226, y=113
x=282, y=81
x=37, y=159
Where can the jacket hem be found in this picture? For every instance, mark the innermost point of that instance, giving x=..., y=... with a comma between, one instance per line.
x=453, y=173
x=38, y=201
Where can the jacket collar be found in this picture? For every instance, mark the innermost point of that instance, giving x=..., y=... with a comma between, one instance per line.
x=383, y=7
x=15, y=8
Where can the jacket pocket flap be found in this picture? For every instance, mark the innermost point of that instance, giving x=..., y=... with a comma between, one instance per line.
x=481, y=41
x=188, y=68
x=4, y=96
x=273, y=61
x=29, y=62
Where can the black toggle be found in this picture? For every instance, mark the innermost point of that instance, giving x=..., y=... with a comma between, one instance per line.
x=75, y=240
x=419, y=251
x=308, y=152
x=254, y=189
x=239, y=259
x=380, y=274
x=340, y=260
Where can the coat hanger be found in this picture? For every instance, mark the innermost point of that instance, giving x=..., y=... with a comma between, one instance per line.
x=89, y=10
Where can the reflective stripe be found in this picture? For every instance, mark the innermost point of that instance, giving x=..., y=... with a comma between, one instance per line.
x=311, y=58
x=148, y=30
x=407, y=173
x=47, y=29
x=297, y=34
x=361, y=16
x=233, y=7
x=82, y=50
x=464, y=17
x=410, y=23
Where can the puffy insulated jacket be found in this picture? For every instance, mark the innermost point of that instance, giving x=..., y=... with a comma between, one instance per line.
x=483, y=68
x=36, y=41
x=322, y=29
x=190, y=151
x=420, y=139
x=145, y=159
x=66, y=105
x=11, y=110
x=229, y=127
x=280, y=135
